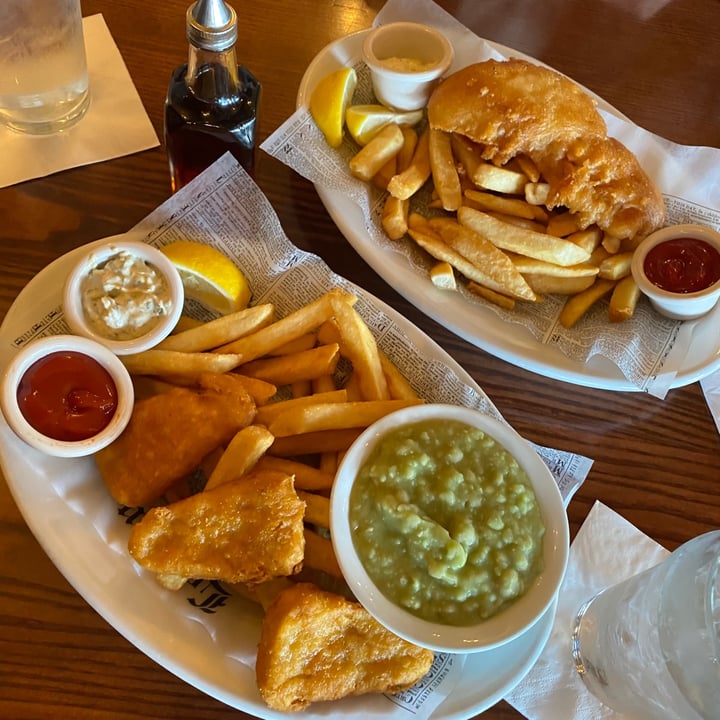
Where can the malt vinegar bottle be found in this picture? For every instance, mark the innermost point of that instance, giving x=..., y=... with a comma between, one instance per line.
x=212, y=102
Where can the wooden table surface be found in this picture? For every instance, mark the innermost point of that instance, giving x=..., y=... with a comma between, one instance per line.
x=655, y=461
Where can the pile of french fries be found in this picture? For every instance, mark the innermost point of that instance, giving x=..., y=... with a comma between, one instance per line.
x=489, y=225
x=308, y=414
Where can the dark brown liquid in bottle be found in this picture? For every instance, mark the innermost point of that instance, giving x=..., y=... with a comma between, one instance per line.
x=199, y=131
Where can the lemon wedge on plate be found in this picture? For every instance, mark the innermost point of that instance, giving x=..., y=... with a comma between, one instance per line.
x=365, y=121
x=208, y=276
x=329, y=100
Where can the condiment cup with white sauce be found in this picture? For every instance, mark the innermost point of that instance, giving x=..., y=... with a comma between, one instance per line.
x=81, y=324
x=698, y=298
x=508, y=622
x=91, y=352
x=406, y=60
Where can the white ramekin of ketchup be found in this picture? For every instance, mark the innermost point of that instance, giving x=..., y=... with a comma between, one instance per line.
x=678, y=269
x=67, y=396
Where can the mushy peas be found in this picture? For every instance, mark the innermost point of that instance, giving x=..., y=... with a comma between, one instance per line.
x=446, y=522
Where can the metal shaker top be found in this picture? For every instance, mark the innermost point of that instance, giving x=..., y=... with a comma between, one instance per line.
x=211, y=25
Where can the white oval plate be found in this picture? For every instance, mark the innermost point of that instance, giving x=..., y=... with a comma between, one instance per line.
x=201, y=634
x=476, y=324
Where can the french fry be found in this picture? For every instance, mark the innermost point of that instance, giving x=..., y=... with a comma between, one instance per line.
x=524, y=223
x=468, y=154
x=317, y=508
x=443, y=276
x=524, y=242
x=516, y=207
x=382, y=177
x=292, y=326
x=623, y=300
x=296, y=367
x=444, y=173
x=410, y=141
x=319, y=554
x=537, y=193
x=406, y=183
x=495, y=265
x=398, y=385
x=494, y=297
x=304, y=342
x=240, y=456
x=220, y=331
x=394, y=217
x=528, y=166
x=588, y=239
x=385, y=145
x=499, y=179
x=259, y=390
x=334, y=416
x=306, y=476
x=301, y=388
x=611, y=243
x=577, y=305
x=314, y=443
x=179, y=365
x=559, y=285
x=266, y=414
x=617, y=266
x=563, y=224
x=358, y=345
x=527, y=265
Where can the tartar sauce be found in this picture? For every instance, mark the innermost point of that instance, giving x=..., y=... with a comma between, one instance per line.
x=124, y=297
x=407, y=64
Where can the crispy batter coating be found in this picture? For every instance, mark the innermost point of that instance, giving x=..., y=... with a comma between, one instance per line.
x=514, y=107
x=169, y=434
x=315, y=645
x=249, y=530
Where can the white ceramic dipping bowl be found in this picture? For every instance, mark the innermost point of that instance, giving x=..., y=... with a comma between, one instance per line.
x=509, y=622
x=99, y=254
x=36, y=351
x=406, y=60
x=676, y=305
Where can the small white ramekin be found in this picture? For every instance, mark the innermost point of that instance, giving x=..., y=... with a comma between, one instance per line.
x=510, y=622
x=406, y=89
x=72, y=297
x=43, y=347
x=678, y=306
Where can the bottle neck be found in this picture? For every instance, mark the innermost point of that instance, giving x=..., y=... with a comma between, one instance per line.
x=213, y=75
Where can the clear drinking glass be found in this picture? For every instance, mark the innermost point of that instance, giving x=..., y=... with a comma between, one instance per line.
x=43, y=69
x=649, y=647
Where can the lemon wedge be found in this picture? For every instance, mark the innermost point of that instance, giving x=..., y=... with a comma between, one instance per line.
x=329, y=100
x=208, y=276
x=365, y=121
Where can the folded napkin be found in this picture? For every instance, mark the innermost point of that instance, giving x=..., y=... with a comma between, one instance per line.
x=711, y=387
x=115, y=124
x=606, y=550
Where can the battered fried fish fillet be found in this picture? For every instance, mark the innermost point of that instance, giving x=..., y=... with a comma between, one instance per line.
x=246, y=531
x=169, y=434
x=514, y=107
x=315, y=645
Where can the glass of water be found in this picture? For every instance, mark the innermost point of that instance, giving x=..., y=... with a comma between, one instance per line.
x=649, y=647
x=43, y=69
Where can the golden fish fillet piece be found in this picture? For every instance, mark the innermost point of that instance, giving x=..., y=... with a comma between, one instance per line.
x=316, y=646
x=169, y=434
x=245, y=531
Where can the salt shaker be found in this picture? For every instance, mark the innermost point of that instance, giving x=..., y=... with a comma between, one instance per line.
x=212, y=102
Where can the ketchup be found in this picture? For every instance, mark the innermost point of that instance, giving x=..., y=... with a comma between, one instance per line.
x=683, y=265
x=67, y=396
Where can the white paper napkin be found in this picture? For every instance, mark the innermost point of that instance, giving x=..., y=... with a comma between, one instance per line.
x=711, y=387
x=606, y=550
x=115, y=124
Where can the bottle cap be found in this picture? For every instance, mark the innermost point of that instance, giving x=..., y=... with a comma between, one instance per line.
x=211, y=25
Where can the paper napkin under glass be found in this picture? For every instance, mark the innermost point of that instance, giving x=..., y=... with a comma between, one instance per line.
x=114, y=125
x=606, y=550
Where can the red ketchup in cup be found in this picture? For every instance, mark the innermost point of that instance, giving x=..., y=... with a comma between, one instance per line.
x=683, y=265
x=67, y=395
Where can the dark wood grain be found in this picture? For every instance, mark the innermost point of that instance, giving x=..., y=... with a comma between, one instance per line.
x=656, y=462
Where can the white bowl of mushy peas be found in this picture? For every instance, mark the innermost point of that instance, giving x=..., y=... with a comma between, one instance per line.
x=123, y=294
x=449, y=528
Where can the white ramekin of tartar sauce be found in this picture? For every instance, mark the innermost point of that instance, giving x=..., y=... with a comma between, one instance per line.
x=125, y=295
x=406, y=60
